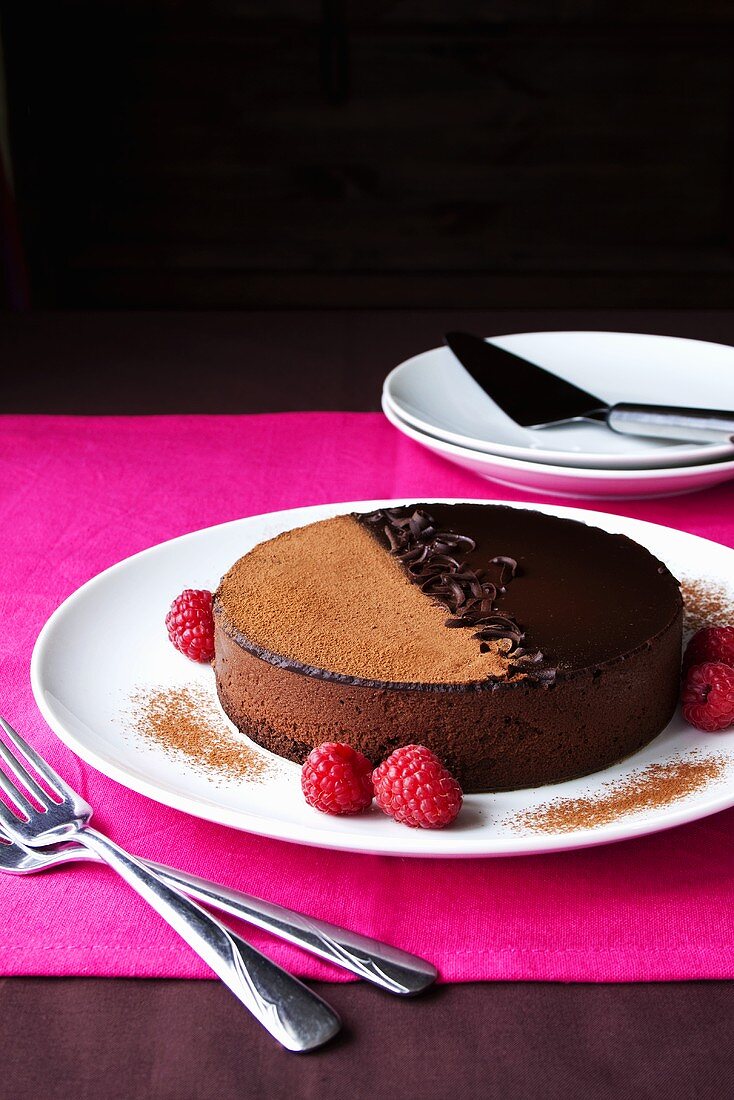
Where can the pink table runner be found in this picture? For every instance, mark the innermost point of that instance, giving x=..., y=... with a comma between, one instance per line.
x=77, y=495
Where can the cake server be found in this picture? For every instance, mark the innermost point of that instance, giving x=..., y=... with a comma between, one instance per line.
x=535, y=398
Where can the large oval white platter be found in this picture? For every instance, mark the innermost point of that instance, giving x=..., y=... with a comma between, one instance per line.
x=84, y=675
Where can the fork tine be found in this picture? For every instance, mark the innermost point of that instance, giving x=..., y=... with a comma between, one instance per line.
x=9, y=821
x=17, y=797
x=21, y=773
x=54, y=781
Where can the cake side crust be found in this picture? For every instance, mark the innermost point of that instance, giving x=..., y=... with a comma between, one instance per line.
x=521, y=735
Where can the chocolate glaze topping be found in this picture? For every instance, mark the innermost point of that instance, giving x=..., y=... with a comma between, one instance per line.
x=436, y=561
x=583, y=596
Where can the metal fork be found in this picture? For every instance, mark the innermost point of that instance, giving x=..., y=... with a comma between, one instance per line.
x=390, y=968
x=292, y=1013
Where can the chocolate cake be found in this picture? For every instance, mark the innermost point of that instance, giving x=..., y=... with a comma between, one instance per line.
x=522, y=648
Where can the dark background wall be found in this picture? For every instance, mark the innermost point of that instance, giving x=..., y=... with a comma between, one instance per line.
x=247, y=153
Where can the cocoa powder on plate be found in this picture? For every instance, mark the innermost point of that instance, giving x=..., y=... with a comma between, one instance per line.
x=646, y=789
x=186, y=722
x=706, y=603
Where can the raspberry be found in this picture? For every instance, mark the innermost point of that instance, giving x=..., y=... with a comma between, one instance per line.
x=414, y=787
x=708, y=696
x=190, y=624
x=337, y=779
x=713, y=643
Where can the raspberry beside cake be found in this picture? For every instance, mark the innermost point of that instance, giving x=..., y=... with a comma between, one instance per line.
x=521, y=648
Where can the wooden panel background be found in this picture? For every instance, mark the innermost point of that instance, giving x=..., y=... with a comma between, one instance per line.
x=240, y=154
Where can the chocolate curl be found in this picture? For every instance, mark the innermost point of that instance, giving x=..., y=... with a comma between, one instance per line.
x=506, y=562
x=428, y=555
x=508, y=570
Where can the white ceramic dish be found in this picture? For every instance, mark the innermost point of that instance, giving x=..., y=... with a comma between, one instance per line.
x=569, y=481
x=83, y=676
x=434, y=394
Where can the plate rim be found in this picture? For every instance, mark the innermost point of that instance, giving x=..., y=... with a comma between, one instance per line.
x=581, y=473
x=356, y=843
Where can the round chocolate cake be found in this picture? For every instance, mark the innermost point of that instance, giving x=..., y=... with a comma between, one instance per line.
x=522, y=648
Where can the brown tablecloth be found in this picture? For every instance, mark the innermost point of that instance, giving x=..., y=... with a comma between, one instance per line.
x=165, y=1039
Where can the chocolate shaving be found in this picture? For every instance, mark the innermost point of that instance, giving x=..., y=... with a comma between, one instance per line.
x=428, y=555
x=508, y=569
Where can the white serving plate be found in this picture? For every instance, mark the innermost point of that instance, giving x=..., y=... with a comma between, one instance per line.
x=83, y=675
x=433, y=393
x=569, y=481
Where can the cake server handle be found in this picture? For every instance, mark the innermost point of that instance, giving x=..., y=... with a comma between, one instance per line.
x=662, y=422
x=392, y=969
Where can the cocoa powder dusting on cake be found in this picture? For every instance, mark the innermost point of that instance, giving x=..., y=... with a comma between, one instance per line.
x=651, y=787
x=185, y=722
x=336, y=600
x=706, y=603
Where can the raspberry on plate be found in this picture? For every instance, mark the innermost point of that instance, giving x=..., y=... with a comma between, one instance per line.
x=415, y=788
x=337, y=779
x=190, y=624
x=712, y=643
x=708, y=696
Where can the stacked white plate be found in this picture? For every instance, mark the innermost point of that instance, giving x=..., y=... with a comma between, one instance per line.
x=434, y=401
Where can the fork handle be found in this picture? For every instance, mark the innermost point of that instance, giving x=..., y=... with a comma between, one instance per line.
x=390, y=968
x=292, y=1013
